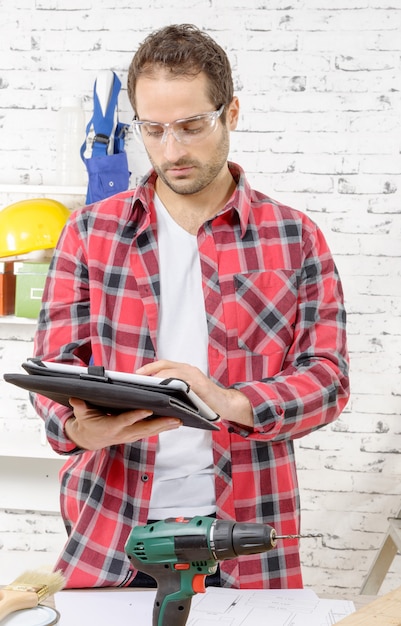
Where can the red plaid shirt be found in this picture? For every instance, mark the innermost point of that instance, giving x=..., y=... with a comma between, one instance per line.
x=276, y=323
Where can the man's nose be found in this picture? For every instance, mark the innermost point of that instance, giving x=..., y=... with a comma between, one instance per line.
x=168, y=131
x=170, y=144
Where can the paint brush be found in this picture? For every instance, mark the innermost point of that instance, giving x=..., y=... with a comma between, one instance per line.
x=29, y=590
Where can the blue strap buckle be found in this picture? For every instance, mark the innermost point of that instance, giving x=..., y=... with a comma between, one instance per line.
x=99, y=138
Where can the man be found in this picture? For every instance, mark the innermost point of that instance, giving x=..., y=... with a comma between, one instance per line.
x=192, y=275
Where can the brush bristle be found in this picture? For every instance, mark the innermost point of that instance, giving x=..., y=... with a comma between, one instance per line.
x=43, y=582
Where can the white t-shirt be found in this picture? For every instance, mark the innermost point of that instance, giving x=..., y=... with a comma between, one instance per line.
x=184, y=479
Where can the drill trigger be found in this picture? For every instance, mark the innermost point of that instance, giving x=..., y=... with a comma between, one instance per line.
x=198, y=583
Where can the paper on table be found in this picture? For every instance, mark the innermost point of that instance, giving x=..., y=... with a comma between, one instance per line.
x=226, y=607
x=254, y=607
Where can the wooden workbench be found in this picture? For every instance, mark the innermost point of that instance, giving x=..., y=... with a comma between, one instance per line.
x=383, y=611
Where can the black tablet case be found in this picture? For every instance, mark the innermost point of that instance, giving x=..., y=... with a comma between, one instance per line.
x=115, y=397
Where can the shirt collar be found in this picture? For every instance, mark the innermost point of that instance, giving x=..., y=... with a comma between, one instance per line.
x=239, y=203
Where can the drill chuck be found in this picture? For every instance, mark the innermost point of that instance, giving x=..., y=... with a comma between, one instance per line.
x=230, y=539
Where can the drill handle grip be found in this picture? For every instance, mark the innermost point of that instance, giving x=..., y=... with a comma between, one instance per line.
x=169, y=611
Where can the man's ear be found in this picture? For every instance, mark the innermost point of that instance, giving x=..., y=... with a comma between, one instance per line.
x=232, y=114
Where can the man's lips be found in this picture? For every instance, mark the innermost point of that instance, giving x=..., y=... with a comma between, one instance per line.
x=180, y=171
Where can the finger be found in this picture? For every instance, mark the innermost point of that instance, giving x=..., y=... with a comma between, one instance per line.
x=150, y=369
x=77, y=403
x=153, y=426
x=145, y=418
x=134, y=416
x=81, y=408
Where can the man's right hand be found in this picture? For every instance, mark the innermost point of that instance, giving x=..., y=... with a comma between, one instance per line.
x=90, y=429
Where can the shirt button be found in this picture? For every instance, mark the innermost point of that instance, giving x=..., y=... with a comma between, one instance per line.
x=144, y=478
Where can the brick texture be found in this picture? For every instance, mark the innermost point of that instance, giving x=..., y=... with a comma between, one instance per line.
x=319, y=87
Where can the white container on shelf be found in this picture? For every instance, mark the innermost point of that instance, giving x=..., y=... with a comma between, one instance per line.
x=70, y=136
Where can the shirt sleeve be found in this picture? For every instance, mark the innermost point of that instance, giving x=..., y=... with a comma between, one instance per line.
x=63, y=327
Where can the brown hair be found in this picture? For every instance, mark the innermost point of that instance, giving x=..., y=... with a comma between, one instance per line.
x=183, y=50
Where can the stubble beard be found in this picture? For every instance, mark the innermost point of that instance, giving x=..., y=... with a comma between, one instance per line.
x=206, y=172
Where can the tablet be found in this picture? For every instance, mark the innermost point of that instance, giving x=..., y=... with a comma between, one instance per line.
x=115, y=391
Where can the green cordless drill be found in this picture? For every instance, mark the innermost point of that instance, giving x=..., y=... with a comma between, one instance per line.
x=180, y=552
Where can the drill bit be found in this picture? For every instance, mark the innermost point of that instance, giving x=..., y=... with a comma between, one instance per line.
x=307, y=536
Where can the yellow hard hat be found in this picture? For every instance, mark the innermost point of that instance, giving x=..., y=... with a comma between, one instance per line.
x=31, y=225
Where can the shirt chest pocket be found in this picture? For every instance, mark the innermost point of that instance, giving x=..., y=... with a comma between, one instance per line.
x=266, y=307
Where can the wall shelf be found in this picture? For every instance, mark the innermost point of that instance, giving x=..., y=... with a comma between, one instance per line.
x=43, y=189
x=27, y=445
x=14, y=320
x=30, y=485
x=71, y=197
x=14, y=328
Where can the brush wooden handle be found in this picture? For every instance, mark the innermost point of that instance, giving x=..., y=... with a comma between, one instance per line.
x=11, y=601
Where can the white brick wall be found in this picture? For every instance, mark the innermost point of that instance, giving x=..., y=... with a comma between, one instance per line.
x=319, y=86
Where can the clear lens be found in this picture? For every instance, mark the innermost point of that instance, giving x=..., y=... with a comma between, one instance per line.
x=188, y=130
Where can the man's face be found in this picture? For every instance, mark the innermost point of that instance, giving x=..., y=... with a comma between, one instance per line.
x=186, y=168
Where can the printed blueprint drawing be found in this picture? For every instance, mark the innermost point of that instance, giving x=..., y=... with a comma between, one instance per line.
x=231, y=607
